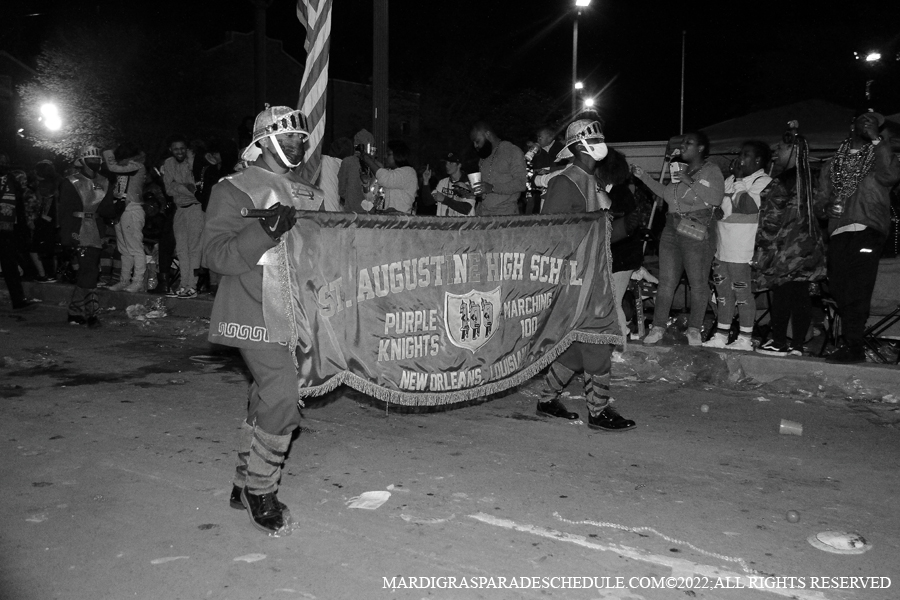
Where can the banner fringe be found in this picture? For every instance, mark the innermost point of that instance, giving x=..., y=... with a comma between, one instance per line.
x=452, y=397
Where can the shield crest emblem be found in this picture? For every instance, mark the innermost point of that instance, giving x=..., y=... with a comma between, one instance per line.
x=471, y=319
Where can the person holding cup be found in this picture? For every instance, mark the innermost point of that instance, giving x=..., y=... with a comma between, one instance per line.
x=736, y=227
x=397, y=176
x=502, y=171
x=688, y=240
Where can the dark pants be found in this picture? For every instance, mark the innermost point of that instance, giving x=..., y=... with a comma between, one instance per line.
x=10, y=265
x=84, y=302
x=166, y=248
x=88, y=267
x=790, y=304
x=593, y=359
x=852, y=270
x=273, y=401
x=679, y=254
x=533, y=202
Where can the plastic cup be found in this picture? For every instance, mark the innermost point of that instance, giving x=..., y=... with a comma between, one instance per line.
x=369, y=500
x=675, y=168
x=475, y=182
x=790, y=428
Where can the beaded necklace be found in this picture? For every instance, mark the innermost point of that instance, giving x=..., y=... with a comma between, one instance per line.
x=848, y=170
x=489, y=171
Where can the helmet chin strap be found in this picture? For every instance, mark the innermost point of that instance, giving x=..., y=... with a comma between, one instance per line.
x=280, y=153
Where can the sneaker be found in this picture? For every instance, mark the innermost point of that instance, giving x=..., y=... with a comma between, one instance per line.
x=45, y=279
x=742, y=343
x=716, y=341
x=187, y=293
x=173, y=293
x=693, y=336
x=655, y=335
x=76, y=320
x=610, y=420
x=796, y=352
x=118, y=287
x=770, y=348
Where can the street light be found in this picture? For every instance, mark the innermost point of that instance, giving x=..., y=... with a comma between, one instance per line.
x=870, y=57
x=50, y=117
x=589, y=103
x=579, y=85
x=580, y=4
x=871, y=65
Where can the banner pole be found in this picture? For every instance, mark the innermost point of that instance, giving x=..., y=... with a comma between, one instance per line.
x=681, y=121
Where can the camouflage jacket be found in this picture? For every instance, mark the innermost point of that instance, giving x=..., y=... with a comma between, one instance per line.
x=789, y=244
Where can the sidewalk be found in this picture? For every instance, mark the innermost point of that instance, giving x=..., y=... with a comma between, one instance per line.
x=858, y=381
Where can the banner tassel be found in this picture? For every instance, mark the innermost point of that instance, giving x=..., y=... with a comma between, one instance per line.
x=442, y=398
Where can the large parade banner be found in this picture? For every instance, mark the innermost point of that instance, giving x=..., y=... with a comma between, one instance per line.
x=429, y=310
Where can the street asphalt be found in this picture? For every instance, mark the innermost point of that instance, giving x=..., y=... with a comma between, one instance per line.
x=120, y=449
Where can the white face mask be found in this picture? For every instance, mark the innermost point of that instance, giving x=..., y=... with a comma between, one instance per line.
x=595, y=151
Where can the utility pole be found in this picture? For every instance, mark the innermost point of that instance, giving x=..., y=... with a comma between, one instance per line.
x=681, y=119
x=574, y=90
x=259, y=54
x=380, y=77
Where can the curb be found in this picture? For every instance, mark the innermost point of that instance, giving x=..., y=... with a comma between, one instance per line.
x=857, y=380
x=55, y=294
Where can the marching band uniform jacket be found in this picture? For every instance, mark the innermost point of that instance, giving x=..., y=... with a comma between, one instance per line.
x=79, y=198
x=232, y=246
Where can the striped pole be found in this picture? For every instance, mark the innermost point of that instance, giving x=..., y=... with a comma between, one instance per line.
x=315, y=17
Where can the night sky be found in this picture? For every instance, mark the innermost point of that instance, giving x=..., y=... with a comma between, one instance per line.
x=739, y=56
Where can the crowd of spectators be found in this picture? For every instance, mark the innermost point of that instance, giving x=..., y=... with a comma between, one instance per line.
x=753, y=227
x=149, y=216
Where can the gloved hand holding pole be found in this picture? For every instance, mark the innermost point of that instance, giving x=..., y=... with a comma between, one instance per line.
x=275, y=220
